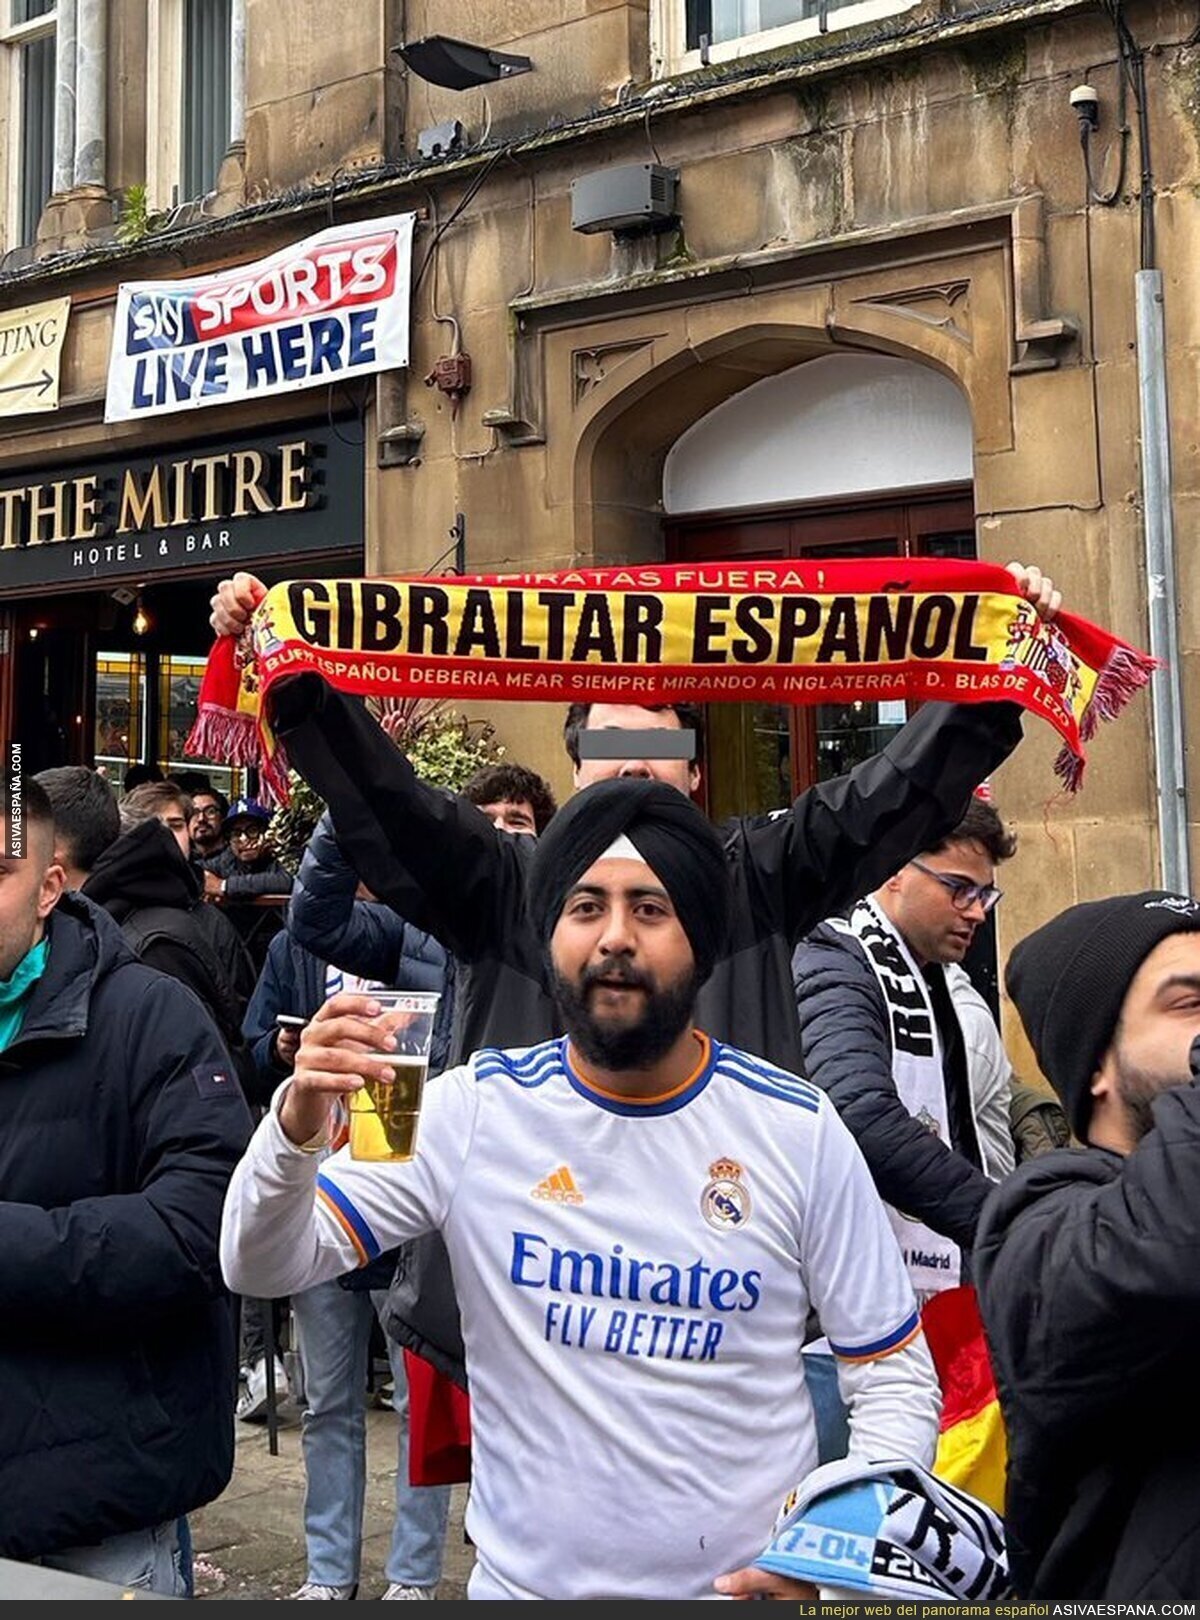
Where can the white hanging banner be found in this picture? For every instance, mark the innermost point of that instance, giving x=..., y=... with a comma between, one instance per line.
x=328, y=308
x=31, y=345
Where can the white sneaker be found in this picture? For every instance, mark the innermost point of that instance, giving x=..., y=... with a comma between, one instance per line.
x=395, y=1590
x=252, y=1403
x=325, y=1594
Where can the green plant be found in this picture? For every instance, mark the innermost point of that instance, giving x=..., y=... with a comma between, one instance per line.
x=136, y=219
x=444, y=747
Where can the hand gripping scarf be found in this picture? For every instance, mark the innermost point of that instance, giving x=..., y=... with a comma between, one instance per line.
x=889, y=1530
x=675, y=839
x=791, y=632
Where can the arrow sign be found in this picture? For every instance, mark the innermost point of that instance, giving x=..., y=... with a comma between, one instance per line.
x=31, y=345
x=40, y=383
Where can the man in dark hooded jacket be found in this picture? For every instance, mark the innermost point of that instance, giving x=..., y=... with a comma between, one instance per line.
x=120, y=1126
x=146, y=884
x=1086, y=1260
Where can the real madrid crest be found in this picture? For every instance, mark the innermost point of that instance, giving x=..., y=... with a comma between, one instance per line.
x=725, y=1201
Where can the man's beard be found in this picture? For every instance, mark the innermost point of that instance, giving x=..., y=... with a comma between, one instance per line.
x=1138, y=1089
x=638, y=1045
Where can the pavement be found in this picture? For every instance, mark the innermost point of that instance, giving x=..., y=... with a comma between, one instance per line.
x=249, y=1543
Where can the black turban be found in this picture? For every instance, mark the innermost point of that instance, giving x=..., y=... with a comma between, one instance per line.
x=677, y=841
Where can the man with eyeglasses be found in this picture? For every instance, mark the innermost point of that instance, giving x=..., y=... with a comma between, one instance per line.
x=206, y=826
x=894, y=1031
x=247, y=868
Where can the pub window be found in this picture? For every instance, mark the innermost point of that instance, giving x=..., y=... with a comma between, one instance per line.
x=29, y=28
x=179, y=677
x=120, y=710
x=189, y=98
x=685, y=33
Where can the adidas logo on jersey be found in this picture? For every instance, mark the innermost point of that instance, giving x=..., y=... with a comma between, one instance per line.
x=558, y=1188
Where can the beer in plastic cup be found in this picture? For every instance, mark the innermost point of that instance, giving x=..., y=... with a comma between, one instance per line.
x=384, y=1114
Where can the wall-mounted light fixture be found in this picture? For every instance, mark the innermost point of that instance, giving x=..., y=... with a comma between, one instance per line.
x=456, y=64
x=142, y=621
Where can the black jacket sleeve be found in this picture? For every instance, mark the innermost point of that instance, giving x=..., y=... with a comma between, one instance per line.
x=1087, y=1271
x=843, y=837
x=248, y=885
x=431, y=856
x=847, y=1051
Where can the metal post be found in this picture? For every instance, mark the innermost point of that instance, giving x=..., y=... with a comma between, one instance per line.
x=270, y=1350
x=1167, y=685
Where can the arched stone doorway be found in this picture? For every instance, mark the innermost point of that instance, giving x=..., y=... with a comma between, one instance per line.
x=841, y=426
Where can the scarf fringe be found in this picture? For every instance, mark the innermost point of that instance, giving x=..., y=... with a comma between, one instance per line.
x=234, y=738
x=224, y=734
x=1126, y=672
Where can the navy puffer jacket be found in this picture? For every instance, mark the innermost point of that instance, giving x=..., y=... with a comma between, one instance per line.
x=363, y=937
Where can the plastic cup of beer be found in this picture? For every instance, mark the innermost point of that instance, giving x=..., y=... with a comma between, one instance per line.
x=384, y=1114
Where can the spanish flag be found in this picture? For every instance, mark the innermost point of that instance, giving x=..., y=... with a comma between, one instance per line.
x=439, y=1426
x=972, y=1450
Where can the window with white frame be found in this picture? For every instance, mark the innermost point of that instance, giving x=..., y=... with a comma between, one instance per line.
x=689, y=33
x=189, y=101
x=28, y=30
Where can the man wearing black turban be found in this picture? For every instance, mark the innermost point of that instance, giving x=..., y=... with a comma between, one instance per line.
x=639, y=1219
x=617, y=1010
x=667, y=832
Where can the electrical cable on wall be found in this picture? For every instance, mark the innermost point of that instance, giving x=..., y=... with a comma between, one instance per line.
x=1132, y=61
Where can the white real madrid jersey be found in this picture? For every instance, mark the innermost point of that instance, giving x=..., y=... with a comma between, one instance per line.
x=634, y=1280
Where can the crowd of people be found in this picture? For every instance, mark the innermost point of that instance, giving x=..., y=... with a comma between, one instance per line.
x=715, y=1114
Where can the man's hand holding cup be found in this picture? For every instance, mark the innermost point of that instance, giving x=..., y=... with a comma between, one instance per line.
x=335, y=1058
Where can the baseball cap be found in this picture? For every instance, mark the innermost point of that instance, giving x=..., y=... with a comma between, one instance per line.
x=247, y=809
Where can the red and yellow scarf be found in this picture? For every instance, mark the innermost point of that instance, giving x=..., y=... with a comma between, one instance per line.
x=766, y=632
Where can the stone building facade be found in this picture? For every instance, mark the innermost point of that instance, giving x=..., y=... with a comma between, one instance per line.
x=892, y=308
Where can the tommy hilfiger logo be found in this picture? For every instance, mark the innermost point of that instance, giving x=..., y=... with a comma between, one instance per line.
x=558, y=1188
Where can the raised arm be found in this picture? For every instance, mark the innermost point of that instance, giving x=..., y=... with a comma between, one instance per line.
x=431, y=856
x=842, y=838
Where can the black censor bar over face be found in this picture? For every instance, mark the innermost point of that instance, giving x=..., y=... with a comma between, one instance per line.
x=656, y=743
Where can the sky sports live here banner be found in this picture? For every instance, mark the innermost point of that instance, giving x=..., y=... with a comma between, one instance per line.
x=325, y=309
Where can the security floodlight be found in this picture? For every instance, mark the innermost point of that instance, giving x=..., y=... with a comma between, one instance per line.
x=456, y=65
x=1086, y=104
